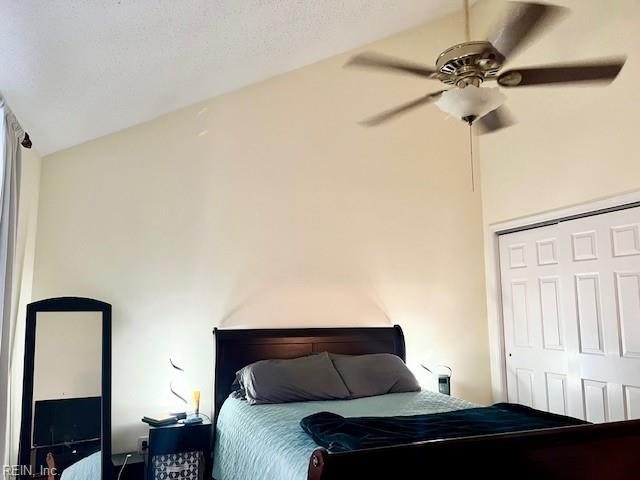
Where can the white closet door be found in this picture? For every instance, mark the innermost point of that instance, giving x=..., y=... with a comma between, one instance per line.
x=533, y=322
x=571, y=305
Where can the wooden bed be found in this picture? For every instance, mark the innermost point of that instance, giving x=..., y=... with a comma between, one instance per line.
x=610, y=450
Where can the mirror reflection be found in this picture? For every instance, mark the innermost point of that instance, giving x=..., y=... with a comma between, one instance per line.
x=66, y=406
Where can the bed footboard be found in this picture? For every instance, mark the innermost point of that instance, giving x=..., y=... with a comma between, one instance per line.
x=608, y=450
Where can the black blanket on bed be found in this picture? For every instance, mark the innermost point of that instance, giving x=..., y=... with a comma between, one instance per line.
x=339, y=434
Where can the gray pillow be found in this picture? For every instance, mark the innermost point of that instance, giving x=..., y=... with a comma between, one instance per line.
x=375, y=374
x=295, y=380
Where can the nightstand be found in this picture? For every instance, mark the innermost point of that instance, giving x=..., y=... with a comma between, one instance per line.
x=181, y=450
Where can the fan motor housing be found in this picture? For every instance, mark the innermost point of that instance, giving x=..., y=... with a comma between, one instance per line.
x=469, y=63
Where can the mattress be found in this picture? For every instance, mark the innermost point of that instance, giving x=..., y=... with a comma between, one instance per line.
x=89, y=468
x=267, y=442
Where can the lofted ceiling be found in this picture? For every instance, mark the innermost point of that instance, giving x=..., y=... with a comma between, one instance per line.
x=74, y=70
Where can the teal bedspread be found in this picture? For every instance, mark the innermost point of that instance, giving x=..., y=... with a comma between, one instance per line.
x=266, y=441
x=89, y=468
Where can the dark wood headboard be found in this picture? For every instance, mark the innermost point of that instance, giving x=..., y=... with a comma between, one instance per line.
x=235, y=349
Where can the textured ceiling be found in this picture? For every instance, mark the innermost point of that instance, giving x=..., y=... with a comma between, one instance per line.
x=74, y=70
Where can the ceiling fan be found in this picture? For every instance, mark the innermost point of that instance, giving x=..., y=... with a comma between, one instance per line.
x=466, y=66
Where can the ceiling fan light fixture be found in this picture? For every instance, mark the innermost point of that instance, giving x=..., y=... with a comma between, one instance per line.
x=470, y=102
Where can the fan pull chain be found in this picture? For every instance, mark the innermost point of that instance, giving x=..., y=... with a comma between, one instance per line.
x=473, y=180
x=467, y=35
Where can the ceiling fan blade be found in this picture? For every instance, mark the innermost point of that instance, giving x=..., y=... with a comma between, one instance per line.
x=604, y=70
x=524, y=22
x=384, y=62
x=495, y=120
x=389, y=114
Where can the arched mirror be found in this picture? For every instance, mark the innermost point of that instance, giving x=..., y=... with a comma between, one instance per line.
x=66, y=400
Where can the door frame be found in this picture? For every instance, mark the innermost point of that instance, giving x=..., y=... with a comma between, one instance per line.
x=497, y=352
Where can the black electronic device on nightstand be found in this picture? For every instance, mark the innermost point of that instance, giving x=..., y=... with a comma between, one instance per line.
x=444, y=378
x=444, y=384
x=179, y=451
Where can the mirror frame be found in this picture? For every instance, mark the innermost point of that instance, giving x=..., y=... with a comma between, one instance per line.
x=66, y=304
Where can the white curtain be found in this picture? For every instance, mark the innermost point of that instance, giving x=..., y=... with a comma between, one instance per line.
x=11, y=134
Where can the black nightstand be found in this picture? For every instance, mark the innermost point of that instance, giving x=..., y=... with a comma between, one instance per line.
x=134, y=468
x=179, y=448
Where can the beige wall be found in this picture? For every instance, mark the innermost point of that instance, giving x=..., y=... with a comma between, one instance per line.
x=571, y=145
x=270, y=206
x=68, y=355
x=575, y=144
